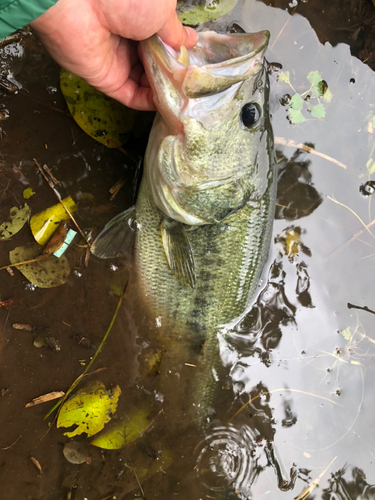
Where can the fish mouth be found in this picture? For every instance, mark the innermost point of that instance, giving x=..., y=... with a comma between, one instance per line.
x=216, y=62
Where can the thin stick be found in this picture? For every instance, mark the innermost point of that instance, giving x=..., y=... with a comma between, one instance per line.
x=74, y=385
x=278, y=390
x=288, y=142
x=347, y=243
x=352, y=211
x=283, y=28
x=314, y=484
x=51, y=185
x=35, y=259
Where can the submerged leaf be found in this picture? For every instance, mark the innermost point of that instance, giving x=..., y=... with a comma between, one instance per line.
x=89, y=409
x=18, y=217
x=28, y=193
x=46, y=273
x=101, y=117
x=198, y=14
x=120, y=435
x=44, y=224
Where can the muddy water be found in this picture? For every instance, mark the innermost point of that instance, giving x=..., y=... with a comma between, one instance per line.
x=297, y=403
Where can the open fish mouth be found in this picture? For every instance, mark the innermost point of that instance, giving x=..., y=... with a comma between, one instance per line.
x=216, y=63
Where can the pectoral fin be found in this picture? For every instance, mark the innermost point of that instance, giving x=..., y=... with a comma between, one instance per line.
x=178, y=251
x=117, y=237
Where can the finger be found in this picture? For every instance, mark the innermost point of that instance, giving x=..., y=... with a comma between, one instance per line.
x=175, y=34
x=134, y=96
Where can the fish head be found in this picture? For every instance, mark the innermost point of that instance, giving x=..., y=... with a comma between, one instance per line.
x=210, y=150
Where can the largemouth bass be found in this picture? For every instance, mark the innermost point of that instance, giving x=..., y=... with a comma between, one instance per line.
x=205, y=207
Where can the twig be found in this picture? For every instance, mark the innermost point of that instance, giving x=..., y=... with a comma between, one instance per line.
x=314, y=484
x=283, y=28
x=364, y=308
x=352, y=211
x=136, y=477
x=118, y=147
x=50, y=183
x=288, y=142
x=347, y=243
x=280, y=390
x=8, y=447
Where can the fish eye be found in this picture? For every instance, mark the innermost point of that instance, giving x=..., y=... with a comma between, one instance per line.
x=250, y=114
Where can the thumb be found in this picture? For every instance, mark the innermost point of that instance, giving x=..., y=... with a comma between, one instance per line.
x=175, y=34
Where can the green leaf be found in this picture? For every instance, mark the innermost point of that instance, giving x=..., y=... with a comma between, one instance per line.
x=46, y=273
x=120, y=435
x=17, y=219
x=314, y=77
x=284, y=76
x=296, y=116
x=102, y=118
x=89, y=409
x=296, y=102
x=346, y=334
x=28, y=193
x=198, y=14
x=318, y=111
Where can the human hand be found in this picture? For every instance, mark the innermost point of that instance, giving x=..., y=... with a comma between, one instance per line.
x=97, y=40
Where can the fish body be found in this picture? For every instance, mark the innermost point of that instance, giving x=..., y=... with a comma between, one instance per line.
x=206, y=203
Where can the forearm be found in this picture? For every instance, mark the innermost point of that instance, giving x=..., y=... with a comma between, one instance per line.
x=15, y=14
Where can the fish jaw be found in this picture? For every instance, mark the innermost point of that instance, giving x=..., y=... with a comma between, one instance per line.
x=213, y=65
x=201, y=162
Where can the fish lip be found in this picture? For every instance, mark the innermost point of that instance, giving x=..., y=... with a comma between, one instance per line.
x=199, y=80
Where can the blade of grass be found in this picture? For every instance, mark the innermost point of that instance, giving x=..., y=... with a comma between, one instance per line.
x=74, y=385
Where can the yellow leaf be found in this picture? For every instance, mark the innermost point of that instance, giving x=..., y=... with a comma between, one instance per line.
x=293, y=242
x=18, y=217
x=44, y=224
x=90, y=409
x=28, y=193
x=120, y=435
x=102, y=118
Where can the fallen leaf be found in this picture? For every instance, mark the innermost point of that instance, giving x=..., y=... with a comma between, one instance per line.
x=44, y=224
x=46, y=273
x=120, y=435
x=57, y=239
x=89, y=409
x=101, y=117
x=28, y=193
x=17, y=219
x=198, y=14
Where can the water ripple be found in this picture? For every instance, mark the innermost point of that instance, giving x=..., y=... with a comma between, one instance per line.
x=226, y=459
